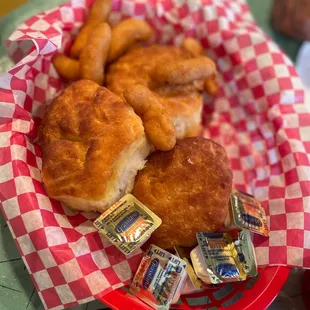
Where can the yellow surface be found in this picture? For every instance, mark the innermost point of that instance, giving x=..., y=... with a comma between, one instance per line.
x=7, y=6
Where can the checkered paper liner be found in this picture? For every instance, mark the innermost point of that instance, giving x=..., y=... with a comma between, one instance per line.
x=258, y=116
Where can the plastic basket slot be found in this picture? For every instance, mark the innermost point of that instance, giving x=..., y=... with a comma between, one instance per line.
x=198, y=301
x=232, y=300
x=250, y=283
x=224, y=291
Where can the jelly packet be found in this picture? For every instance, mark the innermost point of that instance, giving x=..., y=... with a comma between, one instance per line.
x=127, y=223
x=221, y=258
x=158, y=278
x=247, y=213
x=246, y=253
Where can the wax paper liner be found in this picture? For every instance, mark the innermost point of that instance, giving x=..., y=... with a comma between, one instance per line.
x=258, y=115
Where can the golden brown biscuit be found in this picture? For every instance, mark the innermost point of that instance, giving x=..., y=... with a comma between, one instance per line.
x=188, y=188
x=92, y=145
x=182, y=102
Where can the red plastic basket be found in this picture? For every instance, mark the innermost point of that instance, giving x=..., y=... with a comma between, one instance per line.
x=254, y=293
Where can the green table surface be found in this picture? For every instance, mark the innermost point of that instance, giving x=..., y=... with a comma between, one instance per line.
x=16, y=288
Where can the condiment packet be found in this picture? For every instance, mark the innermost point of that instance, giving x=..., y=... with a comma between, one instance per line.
x=127, y=224
x=159, y=276
x=244, y=246
x=184, y=289
x=247, y=213
x=221, y=258
x=199, y=265
x=197, y=282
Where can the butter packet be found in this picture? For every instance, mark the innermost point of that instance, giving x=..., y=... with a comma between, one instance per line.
x=248, y=213
x=221, y=258
x=159, y=276
x=127, y=224
x=197, y=282
x=199, y=266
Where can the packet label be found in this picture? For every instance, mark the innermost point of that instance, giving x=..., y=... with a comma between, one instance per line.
x=248, y=213
x=127, y=223
x=245, y=249
x=221, y=258
x=158, y=277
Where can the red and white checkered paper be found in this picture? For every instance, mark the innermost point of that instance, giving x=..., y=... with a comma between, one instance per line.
x=259, y=117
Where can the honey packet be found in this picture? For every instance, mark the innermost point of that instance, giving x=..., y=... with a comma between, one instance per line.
x=127, y=224
x=247, y=212
x=221, y=259
x=158, y=278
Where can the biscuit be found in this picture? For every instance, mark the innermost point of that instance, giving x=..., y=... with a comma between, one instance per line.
x=188, y=188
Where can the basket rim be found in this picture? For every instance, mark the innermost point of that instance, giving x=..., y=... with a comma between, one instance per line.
x=260, y=296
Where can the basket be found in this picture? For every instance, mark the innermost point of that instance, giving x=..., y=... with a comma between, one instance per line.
x=259, y=111
x=254, y=293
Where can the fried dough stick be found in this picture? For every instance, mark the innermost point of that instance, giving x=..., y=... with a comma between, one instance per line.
x=184, y=71
x=158, y=125
x=192, y=46
x=94, y=54
x=99, y=13
x=67, y=67
x=126, y=34
x=195, y=49
x=211, y=85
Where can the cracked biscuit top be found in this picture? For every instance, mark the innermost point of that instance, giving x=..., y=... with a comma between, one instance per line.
x=83, y=133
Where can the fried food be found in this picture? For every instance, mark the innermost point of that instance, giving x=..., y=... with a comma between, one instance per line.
x=94, y=54
x=157, y=123
x=195, y=49
x=92, y=145
x=182, y=102
x=188, y=188
x=183, y=71
x=211, y=85
x=192, y=46
x=67, y=67
x=126, y=34
x=99, y=13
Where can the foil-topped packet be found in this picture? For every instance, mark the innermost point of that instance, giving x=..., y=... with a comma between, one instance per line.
x=158, y=278
x=127, y=224
x=244, y=246
x=197, y=282
x=220, y=257
x=247, y=212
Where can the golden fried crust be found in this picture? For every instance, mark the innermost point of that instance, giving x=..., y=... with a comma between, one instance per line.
x=188, y=188
x=157, y=122
x=183, y=72
x=134, y=68
x=82, y=135
x=193, y=46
